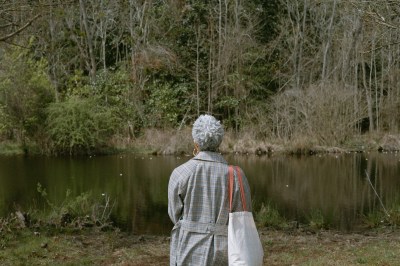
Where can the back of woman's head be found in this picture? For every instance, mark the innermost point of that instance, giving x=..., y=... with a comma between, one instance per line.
x=207, y=132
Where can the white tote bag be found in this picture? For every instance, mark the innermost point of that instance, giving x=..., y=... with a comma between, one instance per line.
x=244, y=245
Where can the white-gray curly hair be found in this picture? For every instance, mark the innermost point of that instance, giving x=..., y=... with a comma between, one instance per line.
x=207, y=132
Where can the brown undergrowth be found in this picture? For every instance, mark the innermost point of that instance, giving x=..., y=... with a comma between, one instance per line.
x=170, y=141
x=179, y=141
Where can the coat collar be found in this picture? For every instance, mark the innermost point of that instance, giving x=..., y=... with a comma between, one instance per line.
x=210, y=156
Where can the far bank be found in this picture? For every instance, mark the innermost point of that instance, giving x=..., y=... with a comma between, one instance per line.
x=179, y=142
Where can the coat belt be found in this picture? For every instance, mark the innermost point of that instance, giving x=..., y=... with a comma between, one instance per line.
x=204, y=228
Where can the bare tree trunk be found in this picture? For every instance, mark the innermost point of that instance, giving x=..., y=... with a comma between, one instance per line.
x=381, y=95
x=53, y=55
x=367, y=91
x=376, y=86
x=197, y=71
x=297, y=22
x=328, y=42
x=210, y=66
x=89, y=39
x=103, y=33
x=370, y=89
x=300, y=53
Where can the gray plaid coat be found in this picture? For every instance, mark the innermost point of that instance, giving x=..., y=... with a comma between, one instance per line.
x=198, y=205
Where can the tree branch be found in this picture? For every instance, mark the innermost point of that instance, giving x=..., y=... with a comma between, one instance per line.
x=2, y=39
x=380, y=47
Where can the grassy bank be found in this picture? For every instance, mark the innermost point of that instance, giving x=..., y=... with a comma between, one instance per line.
x=79, y=232
x=281, y=247
x=177, y=142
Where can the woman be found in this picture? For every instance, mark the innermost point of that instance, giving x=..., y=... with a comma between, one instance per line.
x=198, y=201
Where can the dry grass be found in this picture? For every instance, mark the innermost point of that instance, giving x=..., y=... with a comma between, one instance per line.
x=172, y=141
x=247, y=142
x=167, y=141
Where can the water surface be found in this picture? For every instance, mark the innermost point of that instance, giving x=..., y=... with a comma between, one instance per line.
x=333, y=184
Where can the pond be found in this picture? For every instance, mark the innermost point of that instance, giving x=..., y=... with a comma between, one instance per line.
x=332, y=184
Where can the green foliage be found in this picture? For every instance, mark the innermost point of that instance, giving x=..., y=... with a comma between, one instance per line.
x=115, y=90
x=5, y=122
x=78, y=85
x=25, y=92
x=180, y=47
x=84, y=120
x=269, y=12
x=80, y=125
x=228, y=105
x=167, y=103
x=10, y=148
x=227, y=102
x=112, y=86
x=149, y=62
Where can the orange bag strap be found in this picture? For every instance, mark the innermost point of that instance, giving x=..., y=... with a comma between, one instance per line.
x=230, y=186
x=231, y=182
x=241, y=188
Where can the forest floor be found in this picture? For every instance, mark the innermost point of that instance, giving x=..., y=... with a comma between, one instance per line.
x=281, y=247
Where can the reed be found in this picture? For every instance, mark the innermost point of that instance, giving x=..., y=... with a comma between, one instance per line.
x=316, y=219
x=269, y=216
x=377, y=195
x=74, y=212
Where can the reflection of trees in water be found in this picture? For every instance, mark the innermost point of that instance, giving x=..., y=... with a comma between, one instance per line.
x=142, y=196
x=383, y=170
x=334, y=184
x=18, y=183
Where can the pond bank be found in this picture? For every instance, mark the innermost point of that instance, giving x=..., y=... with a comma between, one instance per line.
x=80, y=232
x=281, y=247
x=170, y=141
x=180, y=142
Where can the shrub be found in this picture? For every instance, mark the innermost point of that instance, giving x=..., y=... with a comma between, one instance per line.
x=80, y=125
x=324, y=111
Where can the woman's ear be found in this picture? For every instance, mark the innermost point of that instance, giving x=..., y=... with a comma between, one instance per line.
x=196, y=149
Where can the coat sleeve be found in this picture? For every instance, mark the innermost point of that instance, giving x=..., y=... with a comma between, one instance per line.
x=175, y=197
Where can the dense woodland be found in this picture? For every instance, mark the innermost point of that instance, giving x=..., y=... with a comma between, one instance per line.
x=77, y=75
